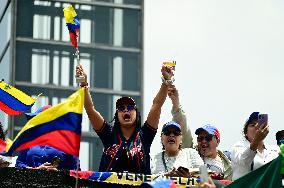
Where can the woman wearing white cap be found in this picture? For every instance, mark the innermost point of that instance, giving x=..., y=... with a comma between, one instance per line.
x=173, y=155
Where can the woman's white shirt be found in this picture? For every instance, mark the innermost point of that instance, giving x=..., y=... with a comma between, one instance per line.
x=187, y=157
x=242, y=157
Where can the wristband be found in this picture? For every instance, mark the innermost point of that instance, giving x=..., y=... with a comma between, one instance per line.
x=84, y=85
x=167, y=82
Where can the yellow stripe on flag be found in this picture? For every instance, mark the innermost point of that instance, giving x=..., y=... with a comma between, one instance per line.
x=69, y=14
x=21, y=96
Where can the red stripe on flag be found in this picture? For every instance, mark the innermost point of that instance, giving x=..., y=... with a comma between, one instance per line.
x=57, y=139
x=81, y=174
x=2, y=145
x=73, y=38
x=8, y=110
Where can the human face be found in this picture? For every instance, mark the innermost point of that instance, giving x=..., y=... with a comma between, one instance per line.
x=126, y=115
x=171, y=139
x=251, y=130
x=207, y=144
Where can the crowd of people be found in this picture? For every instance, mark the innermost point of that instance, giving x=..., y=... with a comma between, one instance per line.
x=127, y=142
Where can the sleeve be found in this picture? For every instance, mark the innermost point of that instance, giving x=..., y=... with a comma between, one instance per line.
x=242, y=155
x=105, y=134
x=21, y=161
x=147, y=134
x=180, y=117
x=195, y=158
x=156, y=164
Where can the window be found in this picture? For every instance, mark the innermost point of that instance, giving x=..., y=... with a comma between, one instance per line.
x=99, y=25
x=49, y=64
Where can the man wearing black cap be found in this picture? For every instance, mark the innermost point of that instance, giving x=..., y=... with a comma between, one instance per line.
x=127, y=143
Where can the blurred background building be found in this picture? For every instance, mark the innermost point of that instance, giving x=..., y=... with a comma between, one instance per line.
x=36, y=57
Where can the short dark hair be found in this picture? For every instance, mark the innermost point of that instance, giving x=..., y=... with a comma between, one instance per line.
x=279, y=135
x=252, y=117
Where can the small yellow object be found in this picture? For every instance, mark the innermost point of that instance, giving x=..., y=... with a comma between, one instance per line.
x=170, y=63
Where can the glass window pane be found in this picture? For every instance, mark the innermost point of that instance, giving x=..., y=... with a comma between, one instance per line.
x=5, y=65
x=99, y=24
x=84, y=155
x=51, y=64
x=3, y=4
x=42, y=31
x=5, y=28
x=133, y=2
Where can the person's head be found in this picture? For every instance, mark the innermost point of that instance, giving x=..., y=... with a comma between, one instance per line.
x=249, y=129
x=280, y=137
x=33, y=114
x=208, y=139
x=171, y=137
x=127, y=114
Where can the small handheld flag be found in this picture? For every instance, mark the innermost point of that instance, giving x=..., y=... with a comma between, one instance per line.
x=14, y=101
x=73, y=24
x=170, y=64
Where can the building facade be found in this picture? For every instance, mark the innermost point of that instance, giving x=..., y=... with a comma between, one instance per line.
x=36, y=57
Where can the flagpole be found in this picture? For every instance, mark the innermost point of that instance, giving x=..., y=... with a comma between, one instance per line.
x=77, y=173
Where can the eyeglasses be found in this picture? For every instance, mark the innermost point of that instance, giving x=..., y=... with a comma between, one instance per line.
x=168, y=133
x=126, y=108
x=207, y=138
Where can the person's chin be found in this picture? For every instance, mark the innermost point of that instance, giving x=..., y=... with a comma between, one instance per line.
x=127, y=124
x=172, y=148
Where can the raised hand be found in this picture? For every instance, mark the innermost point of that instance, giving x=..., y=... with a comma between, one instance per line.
x=167, y=72
x=80, y=72
x=174, y=96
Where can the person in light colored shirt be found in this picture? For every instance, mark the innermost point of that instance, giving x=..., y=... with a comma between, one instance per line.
x=173, y=155
x=252, y=153
x=208, y=139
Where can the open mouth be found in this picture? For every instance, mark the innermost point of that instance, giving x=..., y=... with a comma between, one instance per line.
x=204, y=146
x=126, y=117
x=171, y=141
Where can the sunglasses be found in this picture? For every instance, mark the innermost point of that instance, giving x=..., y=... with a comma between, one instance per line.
x=126, y=108
x=207, y=138
x=168, y=133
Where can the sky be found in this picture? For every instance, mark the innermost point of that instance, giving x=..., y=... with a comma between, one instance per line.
x=229, y=57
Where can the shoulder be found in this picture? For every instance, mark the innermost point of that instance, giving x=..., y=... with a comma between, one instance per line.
x=273, y=148
x=158, y=156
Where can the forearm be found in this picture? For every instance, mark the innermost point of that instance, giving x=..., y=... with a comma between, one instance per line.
x=180, y=117
x=161, y=96
x=94, y=116
x=155, y=112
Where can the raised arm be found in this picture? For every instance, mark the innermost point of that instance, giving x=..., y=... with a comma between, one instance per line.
x=180, y=117
x=94, y=116
x=155, y=111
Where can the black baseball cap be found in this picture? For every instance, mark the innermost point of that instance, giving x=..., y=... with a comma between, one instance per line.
x=125, y=100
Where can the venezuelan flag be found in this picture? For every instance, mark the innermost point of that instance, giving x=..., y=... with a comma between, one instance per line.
x=58, y=127
x=72, y=23
x=14, y=101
